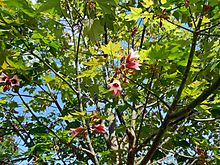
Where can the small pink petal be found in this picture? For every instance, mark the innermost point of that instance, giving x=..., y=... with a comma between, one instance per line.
x=133, y=65
x=3, y=78
x=76, y=131
x=117, y=93
x=115, y=86
x=99, y=129
x=15, y=81
x=132, y=55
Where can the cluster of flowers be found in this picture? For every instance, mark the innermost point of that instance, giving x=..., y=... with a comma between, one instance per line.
x=9, y=82
x=97, y=127
x=126, y=63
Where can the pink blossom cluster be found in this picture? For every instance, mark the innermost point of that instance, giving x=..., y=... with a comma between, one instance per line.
x=127, y=63
x=9, y=82
x=96, y=128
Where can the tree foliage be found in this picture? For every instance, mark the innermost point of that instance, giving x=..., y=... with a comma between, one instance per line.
x=110, y=82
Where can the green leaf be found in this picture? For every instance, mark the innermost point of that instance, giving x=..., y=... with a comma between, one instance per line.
x=94, y=62
x=93, y=29
x=18, y=65
x=89, y=73
x=217, y=157
x=67, y=117
x=107, y=6
x=147, y=3
x=111, y=48
x=54, y=4
x=80, y=114
x=135, y=14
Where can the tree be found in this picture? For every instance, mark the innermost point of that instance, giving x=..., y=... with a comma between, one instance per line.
x=110, y=82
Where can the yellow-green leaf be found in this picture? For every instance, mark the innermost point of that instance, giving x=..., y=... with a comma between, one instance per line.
x=163, y=1
x=80, y=114
x=67, y=117
x=111, y=48
x=147, y=3
x=4, y=65
x=135, y=14
x=217, y=157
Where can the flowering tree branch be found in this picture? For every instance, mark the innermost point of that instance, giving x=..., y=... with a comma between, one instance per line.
x=79, y=96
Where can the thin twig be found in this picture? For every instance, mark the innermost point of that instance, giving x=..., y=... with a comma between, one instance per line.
x=145, y=108
x=142, y=36
x=150, y=91
x=182, y=27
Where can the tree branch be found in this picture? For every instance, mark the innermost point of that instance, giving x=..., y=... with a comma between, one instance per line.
x=106, y=34
x=144, y=111
x=189, y=63
x=150, y=91
x=157, y=141
x=142, y=36
x=182, y=27
x=204, y=95
x=209, y=27
x=79, y=97
x=50, y=67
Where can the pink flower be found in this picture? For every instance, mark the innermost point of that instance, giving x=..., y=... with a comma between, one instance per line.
x=115, y=86
x=98, y=129
x=130, y=61
x=76, y=131
x=3, y=78
x=133, y=65
x=9, y=82
x=132, y=55
x=15, y=81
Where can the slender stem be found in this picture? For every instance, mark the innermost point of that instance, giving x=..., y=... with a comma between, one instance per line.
x=210, y=35
x=193, y=19
x=209, y=27
x=142, y=36
x=79, y=97
x=24, y=129
x=144, y=111
x=25, y=140
x=21, y=159
x=182, y=27
x=54, y=99
x=130, y=159
x=24, y=95
x=51, y=68
x=105, y=34
x=150, y=91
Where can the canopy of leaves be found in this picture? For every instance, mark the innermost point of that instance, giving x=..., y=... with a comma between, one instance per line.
x=66, y=54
